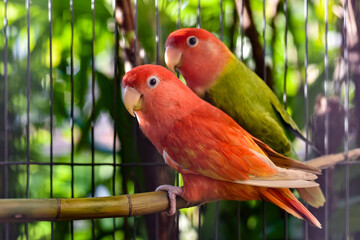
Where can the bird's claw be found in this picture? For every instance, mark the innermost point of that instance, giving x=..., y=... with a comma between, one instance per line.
x=173, y=192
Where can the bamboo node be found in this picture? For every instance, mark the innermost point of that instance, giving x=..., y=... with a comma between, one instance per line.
x=18, y=215
x=58, y=209
x=130, y=205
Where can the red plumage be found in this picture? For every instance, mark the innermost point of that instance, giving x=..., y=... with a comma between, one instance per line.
x=216, y=157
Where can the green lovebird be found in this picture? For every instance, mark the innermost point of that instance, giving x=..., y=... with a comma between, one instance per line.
x=213, y=72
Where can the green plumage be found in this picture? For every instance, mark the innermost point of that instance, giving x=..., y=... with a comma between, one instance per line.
x=240, y=93
x=249, y=101
x=214, y=73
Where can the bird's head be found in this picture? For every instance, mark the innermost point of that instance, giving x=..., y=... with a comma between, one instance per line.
x=198, y=55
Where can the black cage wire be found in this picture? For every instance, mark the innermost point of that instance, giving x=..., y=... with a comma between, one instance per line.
x=7, y=163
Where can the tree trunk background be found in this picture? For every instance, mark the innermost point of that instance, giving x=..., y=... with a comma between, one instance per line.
x=154, y=176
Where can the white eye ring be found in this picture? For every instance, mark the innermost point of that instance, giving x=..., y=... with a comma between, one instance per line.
x=152, y=82
x=192, y=41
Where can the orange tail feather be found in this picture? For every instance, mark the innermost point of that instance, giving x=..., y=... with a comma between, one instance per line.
x=282, y=197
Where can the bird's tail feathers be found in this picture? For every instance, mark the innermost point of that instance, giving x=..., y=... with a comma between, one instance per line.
x=312, y=196
x=283, y=198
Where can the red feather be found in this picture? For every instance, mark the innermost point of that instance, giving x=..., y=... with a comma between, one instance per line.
x=208, y=147
x=202, y=189
x=215, y=146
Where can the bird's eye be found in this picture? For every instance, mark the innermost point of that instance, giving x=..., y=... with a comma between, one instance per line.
x=152, y=82
x=192, y=41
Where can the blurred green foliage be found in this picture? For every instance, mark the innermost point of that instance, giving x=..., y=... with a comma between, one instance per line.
x=251, y=224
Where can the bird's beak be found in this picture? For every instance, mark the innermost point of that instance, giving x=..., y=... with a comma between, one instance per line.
x=172, y=58
x=132, y=100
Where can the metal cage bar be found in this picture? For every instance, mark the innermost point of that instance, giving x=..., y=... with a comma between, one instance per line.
x=242, y=31
x=285, y=96
x=264, y=78
x=27, y=109
x=264, y=38
x=136, y=164
x=28, y=163
x=157, y=41
x=157, y=35
x=93, y=112
x=217, y=209
x=285, y=54
x=221, y=21
x=177, y=178
x=306, y=96
x=346, y=123
x=116, y=62
x=326, y=136
x=198, y=24
x=51, y=106
x=241, y=21
x=135, y=125
x=6, y=154
x=72, y=109
x=199, y=222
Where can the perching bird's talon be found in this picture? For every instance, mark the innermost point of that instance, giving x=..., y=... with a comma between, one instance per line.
x=173, y=192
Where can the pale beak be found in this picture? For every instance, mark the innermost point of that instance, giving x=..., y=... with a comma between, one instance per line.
x=132, y=100
x=172, y=58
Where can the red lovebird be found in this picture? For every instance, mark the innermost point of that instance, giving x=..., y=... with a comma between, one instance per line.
x=216, y=157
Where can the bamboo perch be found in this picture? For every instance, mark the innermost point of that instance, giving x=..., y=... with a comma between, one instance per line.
x=65, y=209
x=327, y=161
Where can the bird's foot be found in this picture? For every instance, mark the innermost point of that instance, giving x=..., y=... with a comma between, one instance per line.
x=173, y=192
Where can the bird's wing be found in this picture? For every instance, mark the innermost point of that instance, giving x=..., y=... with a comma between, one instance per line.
x=210, y=143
